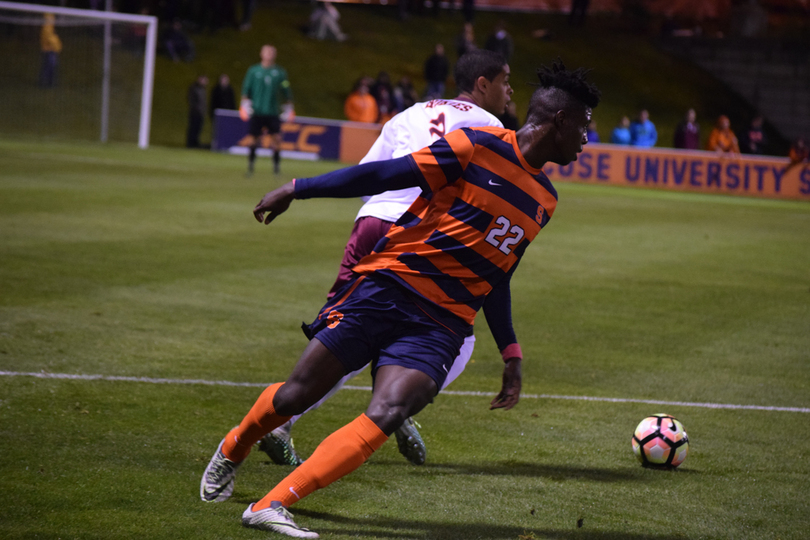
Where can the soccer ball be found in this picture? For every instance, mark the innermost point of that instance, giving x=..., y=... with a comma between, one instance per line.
x=660, y=442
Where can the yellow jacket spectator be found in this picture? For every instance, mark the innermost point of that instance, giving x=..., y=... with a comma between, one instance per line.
x=51, y=46
x=49, y=41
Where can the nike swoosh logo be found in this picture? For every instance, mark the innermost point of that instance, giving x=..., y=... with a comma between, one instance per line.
x=294, y=493
x=445, y=369
x=491, y=183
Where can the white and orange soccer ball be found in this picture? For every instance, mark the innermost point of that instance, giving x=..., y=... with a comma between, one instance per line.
x=660, y=442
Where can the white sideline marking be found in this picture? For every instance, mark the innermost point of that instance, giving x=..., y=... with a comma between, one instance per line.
x=42, y=375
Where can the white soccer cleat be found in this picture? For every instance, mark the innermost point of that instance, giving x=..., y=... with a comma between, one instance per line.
x=217, y=480
x=278, y=520
x=410, y=443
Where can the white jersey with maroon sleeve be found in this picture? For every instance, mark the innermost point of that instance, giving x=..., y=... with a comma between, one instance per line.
x=411, y=130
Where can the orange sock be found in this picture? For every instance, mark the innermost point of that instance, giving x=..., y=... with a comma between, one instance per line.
x=261, y=420
x=339, y=454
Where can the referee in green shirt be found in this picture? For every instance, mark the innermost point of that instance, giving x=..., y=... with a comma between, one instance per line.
x=260, y=101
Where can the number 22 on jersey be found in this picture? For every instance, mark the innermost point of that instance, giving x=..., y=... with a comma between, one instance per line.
x=506, y=236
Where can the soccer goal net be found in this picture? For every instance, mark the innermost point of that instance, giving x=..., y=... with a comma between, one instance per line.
x=75, y=73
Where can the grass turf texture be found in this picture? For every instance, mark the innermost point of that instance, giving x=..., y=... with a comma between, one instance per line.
x=116, y=261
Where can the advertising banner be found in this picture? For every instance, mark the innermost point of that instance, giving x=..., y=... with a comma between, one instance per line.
x=303, y=138
x=602, y=164
x=683, y=170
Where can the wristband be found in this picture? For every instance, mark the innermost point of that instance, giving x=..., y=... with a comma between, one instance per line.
x=511, y=351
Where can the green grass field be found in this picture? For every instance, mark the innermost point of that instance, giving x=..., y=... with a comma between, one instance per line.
x=128, y=263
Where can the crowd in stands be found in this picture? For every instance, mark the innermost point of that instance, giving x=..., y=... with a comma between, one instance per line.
x=722, y=138
x=640, y=132
x=376, y=100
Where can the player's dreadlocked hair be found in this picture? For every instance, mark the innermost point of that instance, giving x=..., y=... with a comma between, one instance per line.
x=559, y=89
x=572, y=82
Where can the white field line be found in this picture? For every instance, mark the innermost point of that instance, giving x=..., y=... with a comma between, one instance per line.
x=68, y=376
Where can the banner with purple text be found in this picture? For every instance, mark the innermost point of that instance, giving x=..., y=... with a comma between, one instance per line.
x=682, y=170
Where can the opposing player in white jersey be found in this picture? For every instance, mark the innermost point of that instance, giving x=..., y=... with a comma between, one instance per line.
x=482, y=78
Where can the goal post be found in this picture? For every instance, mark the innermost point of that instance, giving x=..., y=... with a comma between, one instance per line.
x=15, y=15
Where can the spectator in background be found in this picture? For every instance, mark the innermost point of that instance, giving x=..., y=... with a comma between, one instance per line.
x=437, y=67
x=687, y=133
x=579, y=10
x=500, y=41
x=465, y=42
x=323, y=23
x=404, y=94
x=196, y=110
x=248, y=6
x=722, y=139
x=642, y=131
x=383, y=93
x=593, y=136
x=222, y=96
x=752, y=141
x=468, y=10
x=799, y=152
x=51, y=46
x=361, y=106
x=621, y=133
x=178, y=45
x=509, y=117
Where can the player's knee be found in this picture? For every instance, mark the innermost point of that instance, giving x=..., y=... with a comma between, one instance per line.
x=388, y=417
x=291, y=399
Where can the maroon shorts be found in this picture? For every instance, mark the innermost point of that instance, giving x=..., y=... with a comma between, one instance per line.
x=367, y=231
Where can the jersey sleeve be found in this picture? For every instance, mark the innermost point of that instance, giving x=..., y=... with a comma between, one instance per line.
x=444, y=161
x=286, y=91
x=366, y=179
x=498, y=312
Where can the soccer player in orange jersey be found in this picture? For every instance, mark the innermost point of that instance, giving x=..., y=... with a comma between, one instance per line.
x=415, y=297
x=482, y=78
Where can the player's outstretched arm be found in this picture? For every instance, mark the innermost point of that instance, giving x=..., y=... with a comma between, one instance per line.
x=366, y=179
x=274, y=203
x=509, y=395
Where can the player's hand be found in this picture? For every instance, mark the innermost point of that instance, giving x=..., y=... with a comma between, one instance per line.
x=274, y=203
x=287, y=113
x=510, y=391
x=245, y=109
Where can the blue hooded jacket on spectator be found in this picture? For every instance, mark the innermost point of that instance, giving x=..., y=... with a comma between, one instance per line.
x=642, y=131
x=621, y=133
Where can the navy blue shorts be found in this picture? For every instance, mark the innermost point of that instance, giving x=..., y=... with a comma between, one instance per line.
x=375, y=320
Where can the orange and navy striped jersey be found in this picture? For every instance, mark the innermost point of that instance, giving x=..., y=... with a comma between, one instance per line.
x=458, y=240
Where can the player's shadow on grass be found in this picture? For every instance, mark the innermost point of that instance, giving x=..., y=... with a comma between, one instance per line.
x=526, y=469
x=380, y=527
